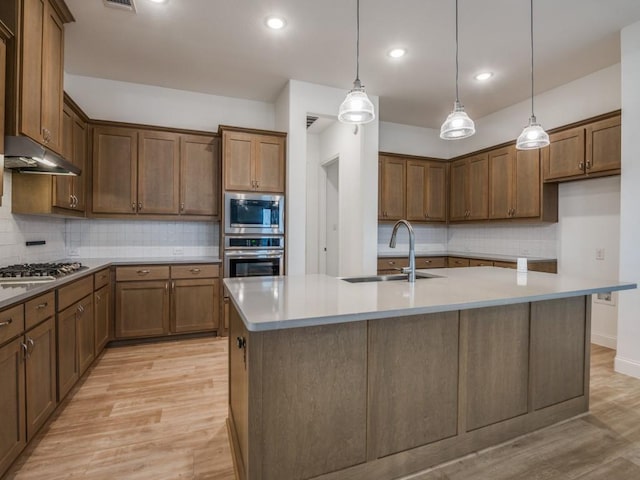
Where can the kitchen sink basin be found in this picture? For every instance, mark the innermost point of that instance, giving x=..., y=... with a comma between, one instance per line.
x=388, y=278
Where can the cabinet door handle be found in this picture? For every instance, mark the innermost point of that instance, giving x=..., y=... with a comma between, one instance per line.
x=25, y=350
x=75, y=201
x=133, y=206
x=143, y=272
x=581, y=165
x=98, y=298
x=71, y=201
x=139, y=205
x=257, y=184
x=42, y=305
x=182, y=207
x=195, y=270
x=30, y=345
x=166, y=287
x=80, y=309
x=8, y=321
x=589, y=165
x=173, y=286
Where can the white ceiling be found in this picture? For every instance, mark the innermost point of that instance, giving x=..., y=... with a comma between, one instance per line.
x=222, y=47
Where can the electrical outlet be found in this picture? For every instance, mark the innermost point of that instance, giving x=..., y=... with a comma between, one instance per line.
x=178, y=251
x=599, y=253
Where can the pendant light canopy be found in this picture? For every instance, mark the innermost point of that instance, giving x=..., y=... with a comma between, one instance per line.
x=533, y=136
x=357, y=109
x=458, y=124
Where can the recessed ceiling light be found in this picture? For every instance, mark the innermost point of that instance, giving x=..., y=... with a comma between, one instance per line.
x=397, y=52
x=275, y=23
x=483, y=76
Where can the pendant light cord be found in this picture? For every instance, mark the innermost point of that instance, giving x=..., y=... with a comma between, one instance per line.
x=457, y=99
x=358, y=41
x=531, y=11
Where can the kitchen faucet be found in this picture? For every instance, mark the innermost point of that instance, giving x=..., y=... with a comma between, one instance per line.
x=411, y=270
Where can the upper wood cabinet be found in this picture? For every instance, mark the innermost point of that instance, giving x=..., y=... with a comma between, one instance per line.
x=3, y=60
x=253, y=161
x=593, y=149
x=155, y=173
x=426, y=191
x=392, y=179
x=469, y=191
x=36, y=83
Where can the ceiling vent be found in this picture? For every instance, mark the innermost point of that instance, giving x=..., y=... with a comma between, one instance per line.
x=310, y=120
x=128, y=5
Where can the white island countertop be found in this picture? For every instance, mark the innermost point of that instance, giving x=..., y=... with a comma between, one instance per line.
x=272, y=303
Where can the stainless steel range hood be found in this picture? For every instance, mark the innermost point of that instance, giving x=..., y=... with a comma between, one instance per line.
x=26, y=156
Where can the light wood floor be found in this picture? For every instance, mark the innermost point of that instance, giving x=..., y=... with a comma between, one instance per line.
x=157, y=412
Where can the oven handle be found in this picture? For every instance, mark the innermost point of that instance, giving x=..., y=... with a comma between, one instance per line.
x=259, y=254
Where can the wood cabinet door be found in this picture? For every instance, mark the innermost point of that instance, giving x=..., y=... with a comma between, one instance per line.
x=102, y=314
x=478, y=183
x=40, y=375
x=3, y=76
x=33, y=14
x=62, y=184
x=80, y=160
x=52, y=71
x=158, y=173
x=199, y=175
x=13, y=435
x=603, y=145
x=458, y=190
x=565, y=157
x=238, y=153
x=67, y=341
x=85, y=329
x=417, y=190
x=195, y=305
x=115, y=160
x=269, y=164
x=394, y=177
x=527, y=184
x=501, y=171
x=142, y=309
x=436, y=194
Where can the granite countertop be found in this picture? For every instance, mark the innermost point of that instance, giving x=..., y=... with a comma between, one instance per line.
x=271, y=303
x=12, y=294
x=481, y=256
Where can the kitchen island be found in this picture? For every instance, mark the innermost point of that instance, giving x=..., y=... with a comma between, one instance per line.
x=336, y=380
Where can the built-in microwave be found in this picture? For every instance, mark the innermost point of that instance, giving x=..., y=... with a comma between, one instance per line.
x=251, y=213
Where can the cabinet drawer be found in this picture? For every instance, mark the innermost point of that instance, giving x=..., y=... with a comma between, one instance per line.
x=392, y=263
x=101, y=278
x=453, y=262
x=194, y=271
x=39, y=309
x=11, y=323
x=75, y=291
x=142, y=272
x=505, y=264
x=431, y=262
x=474, y=262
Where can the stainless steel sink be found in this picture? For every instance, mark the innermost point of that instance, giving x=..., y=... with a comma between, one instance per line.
x=388, y=278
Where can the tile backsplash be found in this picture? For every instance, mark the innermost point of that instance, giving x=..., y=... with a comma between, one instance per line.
x=516, y=240
x=16, y=230
x=137, y=238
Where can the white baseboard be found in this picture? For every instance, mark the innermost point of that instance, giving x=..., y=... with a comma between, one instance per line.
x=627, y=367
x=604, y=340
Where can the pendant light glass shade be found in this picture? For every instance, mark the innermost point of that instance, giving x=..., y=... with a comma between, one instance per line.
x=457, y=125
x=357, y=109
x=533, y=136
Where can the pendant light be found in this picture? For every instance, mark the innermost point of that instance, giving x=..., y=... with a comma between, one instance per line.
x=357, y=109
x=458, y=124
x=533, y=136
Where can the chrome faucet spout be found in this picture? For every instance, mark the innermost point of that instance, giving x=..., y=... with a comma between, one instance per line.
x=411, y=271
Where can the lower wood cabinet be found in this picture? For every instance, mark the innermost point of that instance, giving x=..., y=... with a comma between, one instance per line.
x=176, y=299
x=102, y=314
x=86, y=321
x=13, y=431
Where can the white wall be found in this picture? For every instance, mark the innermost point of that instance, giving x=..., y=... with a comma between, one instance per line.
x=628, y=355
x=411, y=140
x=15, y=230
x=312, y=231
x=590, y=220
x=130, y=102
x=359, y=179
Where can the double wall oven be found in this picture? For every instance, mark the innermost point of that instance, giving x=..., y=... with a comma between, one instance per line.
x=253, y=235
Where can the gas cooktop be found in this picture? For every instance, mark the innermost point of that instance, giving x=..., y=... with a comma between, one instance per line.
x=37, y=272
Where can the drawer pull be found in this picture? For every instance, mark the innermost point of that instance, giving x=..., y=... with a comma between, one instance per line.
x=427, y=261
x=6, y=322
x=392, y=263
x=144, y=272
x=42, y=305
x=195, y=270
